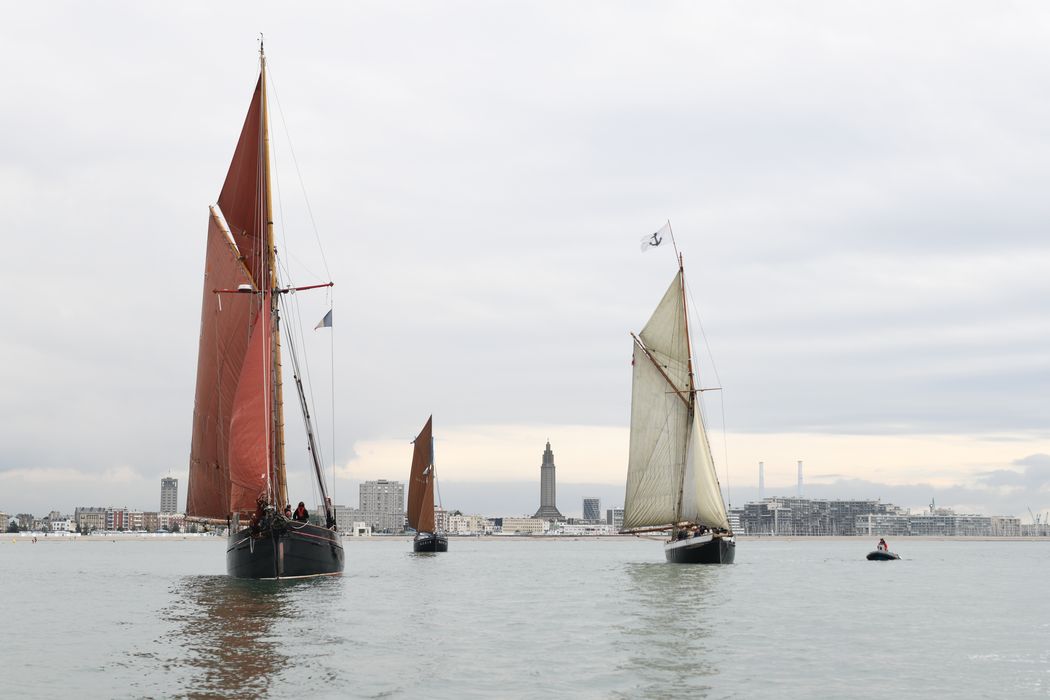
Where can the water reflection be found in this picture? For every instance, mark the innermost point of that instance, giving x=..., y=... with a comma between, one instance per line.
x=670, y=633
x=227, y=633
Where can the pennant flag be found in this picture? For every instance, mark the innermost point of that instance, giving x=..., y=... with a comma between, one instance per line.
x=655, y=239
x=325, y=322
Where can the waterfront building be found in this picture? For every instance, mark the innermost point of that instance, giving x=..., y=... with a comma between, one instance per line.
x=169, y=495
x=150, y=521
x=62, y=525
x=172, y=522
x=524, y=526
x=787, y=516
x=344, y=517
x=441, y=517
x=382, y=505
x=794, y=516
x=548, y=494
x=90, y=519
x=614, y=517
x=359, y=528
x=592, y=509
x=939, y=522
x=468, y=525
x=1037, y=529
x=582, y=529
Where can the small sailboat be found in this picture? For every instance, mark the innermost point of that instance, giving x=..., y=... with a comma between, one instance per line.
x=421, y=494
x=237, y=466
x=671, y=479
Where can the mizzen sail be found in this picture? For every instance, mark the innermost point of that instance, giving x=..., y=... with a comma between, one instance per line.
x=421, y=481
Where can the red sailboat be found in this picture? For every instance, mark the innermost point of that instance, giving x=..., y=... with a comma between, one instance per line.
x=237, y=467
x=421, y=494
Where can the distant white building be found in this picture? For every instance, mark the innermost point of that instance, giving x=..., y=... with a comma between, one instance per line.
x=169, y=495
x=582, y=529
x=468, y=525
x=382, y=505
x=64, y=526
x=524, y=526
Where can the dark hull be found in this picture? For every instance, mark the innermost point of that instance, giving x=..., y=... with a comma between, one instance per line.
x=879, y=555
x=426, y=542
x=291, y=550
x=720, y=550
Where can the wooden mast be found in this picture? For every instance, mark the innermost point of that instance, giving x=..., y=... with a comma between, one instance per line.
x=692, y=385
x=280, y=480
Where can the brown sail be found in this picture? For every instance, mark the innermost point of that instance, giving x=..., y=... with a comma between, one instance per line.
x=238, y=256
x=421, y=482
x=243, y=196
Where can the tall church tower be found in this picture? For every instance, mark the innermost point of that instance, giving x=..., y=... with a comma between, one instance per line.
x=548, y=510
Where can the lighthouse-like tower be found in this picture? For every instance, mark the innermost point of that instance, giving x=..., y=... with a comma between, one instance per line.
x=548, y=510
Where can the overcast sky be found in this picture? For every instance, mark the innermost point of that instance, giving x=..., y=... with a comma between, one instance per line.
x=859, y=190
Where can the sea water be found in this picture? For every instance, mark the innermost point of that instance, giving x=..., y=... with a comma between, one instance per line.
x=530, y=618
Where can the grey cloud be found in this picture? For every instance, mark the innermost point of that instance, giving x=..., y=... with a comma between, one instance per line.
x=847, y=209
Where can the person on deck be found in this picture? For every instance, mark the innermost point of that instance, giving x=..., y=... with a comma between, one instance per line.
x=288, y=511
x=882, y=546
x=301, y=513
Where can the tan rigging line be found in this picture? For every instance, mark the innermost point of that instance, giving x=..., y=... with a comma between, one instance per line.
x=299, y=174
x=324, y=262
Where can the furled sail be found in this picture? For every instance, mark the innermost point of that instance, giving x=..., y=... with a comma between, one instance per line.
x=421, y=481
x=224, y=462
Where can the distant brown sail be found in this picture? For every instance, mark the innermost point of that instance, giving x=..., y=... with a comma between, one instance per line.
x=234, y=448
x=421, y=482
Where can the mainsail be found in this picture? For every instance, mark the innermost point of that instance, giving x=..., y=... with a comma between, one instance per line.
x=670, y=474
x=236, y=452
x=421, y=481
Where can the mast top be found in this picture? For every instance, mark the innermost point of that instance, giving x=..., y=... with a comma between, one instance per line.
x=262, y=50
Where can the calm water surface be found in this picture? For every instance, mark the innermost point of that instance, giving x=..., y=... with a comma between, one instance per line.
x=530, y=618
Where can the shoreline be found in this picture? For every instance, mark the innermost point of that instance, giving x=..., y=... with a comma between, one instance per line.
x=28, y=538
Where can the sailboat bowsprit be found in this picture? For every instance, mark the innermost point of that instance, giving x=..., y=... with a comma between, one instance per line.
x=237, y=468
x=671, y=479
x=421, y=494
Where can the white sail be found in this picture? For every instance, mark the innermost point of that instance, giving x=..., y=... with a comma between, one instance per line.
x=660, y=406
x=701, y=495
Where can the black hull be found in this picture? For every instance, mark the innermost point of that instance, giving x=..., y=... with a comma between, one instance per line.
x=292, y=550
x=430, y=543
x=720, y=550
x=880, y=555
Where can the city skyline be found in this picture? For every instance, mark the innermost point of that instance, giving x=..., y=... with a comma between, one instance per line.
x=867, y=233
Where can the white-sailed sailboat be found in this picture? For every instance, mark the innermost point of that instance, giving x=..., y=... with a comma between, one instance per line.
x=671, y=479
